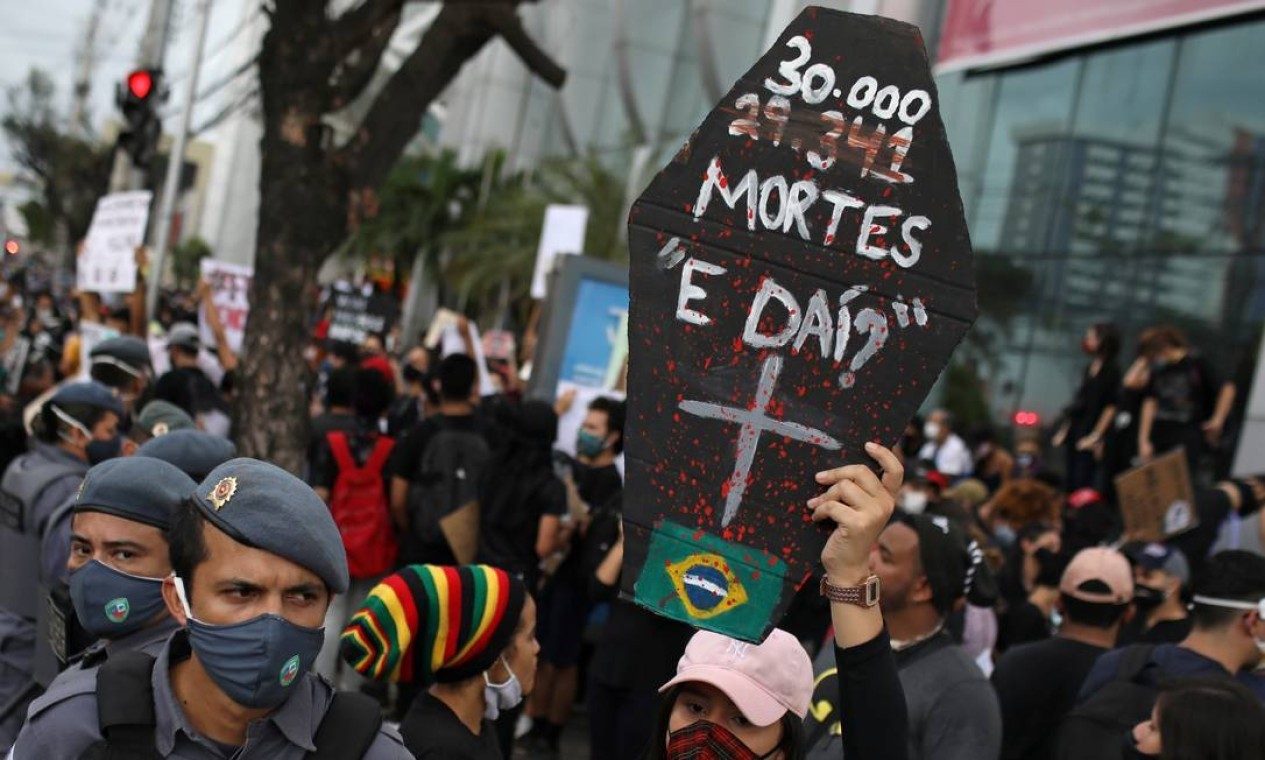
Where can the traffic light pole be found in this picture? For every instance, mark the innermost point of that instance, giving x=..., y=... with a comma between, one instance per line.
x=175, y=162
x=125, y=176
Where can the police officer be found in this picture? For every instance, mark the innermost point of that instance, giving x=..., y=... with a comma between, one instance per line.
x=76, y=428
x=158, y=418
x=123, y=364
x=256, y=557
x=119, y=555
x=195, y=452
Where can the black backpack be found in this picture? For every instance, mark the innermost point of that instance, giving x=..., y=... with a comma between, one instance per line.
x=125, y=714
x=448, y=478
x=1095, y=729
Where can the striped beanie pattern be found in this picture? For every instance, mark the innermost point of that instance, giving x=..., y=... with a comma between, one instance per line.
x=428, y=623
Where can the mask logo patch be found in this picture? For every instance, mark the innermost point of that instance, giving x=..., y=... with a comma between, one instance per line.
x=290, y=671
x=117, y=610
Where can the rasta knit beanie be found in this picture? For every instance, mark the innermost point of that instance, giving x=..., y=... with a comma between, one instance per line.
x=428, y=623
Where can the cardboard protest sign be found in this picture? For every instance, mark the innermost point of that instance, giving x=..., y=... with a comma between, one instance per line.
x=1156, y=499
x=801, y=272
x=359, y=312
x=230, y=292
x=107, y=263
x=562, y=233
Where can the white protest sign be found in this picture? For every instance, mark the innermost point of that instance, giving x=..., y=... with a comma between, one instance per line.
x=230, y=292
x=562, y=233
x=108, y=261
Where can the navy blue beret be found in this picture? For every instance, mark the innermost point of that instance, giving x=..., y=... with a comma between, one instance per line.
x=194, y=451
x=91, y=393
x=127, y=351
x=262, y=505
x=143, y=490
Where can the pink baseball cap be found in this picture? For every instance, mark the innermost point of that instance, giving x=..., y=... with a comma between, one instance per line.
x=763, y=680
x=1107, y=566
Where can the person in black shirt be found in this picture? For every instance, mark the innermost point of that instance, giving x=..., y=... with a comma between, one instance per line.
x=1086, y=419
x=1160, y=577
x=564, y=602
x=521, y=500
x=467, y=635
x=1186, y=403
x=1037, y=683
x=457, y=377
x=185, y=384
x=340, y=391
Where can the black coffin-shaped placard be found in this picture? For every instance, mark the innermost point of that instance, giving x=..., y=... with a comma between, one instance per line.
x=800, y=274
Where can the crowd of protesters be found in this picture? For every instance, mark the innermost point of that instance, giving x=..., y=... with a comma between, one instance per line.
x=478, y=605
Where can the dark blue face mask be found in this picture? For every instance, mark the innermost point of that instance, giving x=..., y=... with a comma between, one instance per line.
x=111, y=604
x=257, y=662
x=99, y=451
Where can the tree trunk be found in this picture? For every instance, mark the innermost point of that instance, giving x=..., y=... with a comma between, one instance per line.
x=302, y=216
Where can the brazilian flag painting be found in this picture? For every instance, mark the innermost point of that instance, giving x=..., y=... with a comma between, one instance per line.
x=710, y=583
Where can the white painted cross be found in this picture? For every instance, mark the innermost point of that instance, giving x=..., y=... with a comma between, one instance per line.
x=755, y=421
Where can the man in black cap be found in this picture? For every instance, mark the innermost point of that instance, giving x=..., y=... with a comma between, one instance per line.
x=256, y=558
x=928, y=566
x=76, y=428
x=123, y=364
x=119, y=554
x=192, y=451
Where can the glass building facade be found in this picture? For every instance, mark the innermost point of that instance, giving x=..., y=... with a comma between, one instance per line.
x=1122, y=183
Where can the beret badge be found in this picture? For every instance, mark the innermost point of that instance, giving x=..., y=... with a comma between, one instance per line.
x=223, y=493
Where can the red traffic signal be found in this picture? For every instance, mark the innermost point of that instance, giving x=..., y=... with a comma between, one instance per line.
x=140, y=84
x=1027, y=419
x=11, y=247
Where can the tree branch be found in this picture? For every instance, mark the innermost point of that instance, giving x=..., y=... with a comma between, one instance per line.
x=354, y=28
x=356, y=69
x=458, y=33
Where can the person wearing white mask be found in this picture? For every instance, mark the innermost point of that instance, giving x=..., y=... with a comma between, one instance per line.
x=944, y=448
x=474, y=665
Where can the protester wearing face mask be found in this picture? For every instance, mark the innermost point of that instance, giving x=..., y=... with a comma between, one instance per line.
x=467, y=634
x=255, y=557
x=1160, y=574
x=922, y=490
x=734, y=700
x=77, y=428
x=945, y=449
x=1227, y=640
x=1201, y=719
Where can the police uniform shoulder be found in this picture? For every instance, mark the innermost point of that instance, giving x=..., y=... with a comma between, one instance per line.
x=67, y=690
x=388, y=745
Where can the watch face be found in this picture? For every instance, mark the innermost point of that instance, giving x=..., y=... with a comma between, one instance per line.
x=872, y=589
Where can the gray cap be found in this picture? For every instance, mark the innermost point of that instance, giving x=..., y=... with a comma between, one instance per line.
x=194, y=451
x=142, y=490
x=91, y=393
x=262, y=505
x=161, y=417
x=183, y=334
x=127, y=352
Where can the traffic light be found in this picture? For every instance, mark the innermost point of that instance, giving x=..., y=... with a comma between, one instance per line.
x=138, y=98
x=12, y=248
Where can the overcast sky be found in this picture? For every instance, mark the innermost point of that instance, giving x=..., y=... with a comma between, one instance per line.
x=48, y=34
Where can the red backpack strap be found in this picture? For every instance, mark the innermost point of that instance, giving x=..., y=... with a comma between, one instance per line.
x=381, y=452
x=342, y=453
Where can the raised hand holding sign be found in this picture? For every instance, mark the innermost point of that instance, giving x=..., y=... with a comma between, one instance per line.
x=800, y=274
